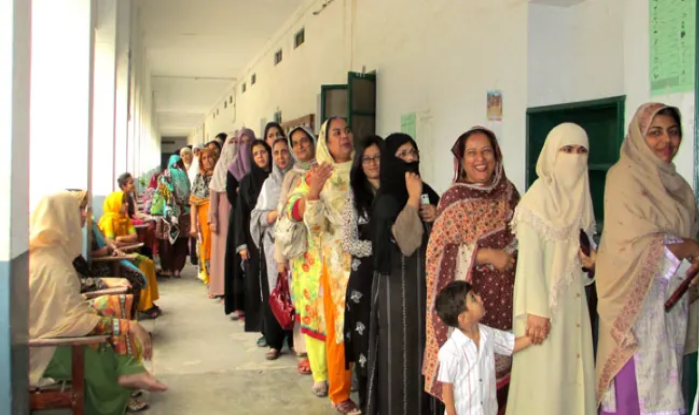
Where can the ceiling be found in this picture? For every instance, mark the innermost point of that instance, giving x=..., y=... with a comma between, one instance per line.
x=196, y=49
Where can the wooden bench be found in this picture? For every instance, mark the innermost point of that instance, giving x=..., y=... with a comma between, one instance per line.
x=64, y=395
x=114, y=260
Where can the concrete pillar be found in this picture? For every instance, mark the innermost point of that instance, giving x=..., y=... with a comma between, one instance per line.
x=61, y=96
x=123, y=73
x=104, y=174
x=15, y=24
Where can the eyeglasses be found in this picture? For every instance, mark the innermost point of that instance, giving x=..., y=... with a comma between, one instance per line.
x=405, y=153
x=367, y=160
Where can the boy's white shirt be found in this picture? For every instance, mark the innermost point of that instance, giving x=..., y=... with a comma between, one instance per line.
x=471, y=368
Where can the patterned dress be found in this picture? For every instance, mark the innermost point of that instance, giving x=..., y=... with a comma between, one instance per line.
x=305, y=280
x=470, y=218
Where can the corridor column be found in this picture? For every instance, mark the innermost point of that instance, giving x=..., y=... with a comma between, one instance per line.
x=123, y=65
x=61, y=96
x=15, y=19
x=104, y=174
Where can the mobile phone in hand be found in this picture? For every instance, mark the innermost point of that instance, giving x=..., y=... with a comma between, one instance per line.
x=425, y=199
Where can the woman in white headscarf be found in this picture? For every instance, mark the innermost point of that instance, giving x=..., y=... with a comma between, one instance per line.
x=193, y=169
x=219, y=213
x=549, y=292
x=56, y=309
x=262, y=221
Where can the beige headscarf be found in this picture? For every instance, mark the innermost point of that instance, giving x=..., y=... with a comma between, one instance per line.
x=228, y=152
x=558, y=205
x=56, y=308
x=645, y=198
x=335, y=190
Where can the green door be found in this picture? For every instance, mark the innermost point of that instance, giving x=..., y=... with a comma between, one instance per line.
x=361, y=104
x=603, y=120
x=333, y=102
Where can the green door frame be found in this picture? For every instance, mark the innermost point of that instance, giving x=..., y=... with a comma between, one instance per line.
x=618, y=102
x=323, y=89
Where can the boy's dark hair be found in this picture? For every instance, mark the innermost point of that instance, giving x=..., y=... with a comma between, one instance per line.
x=451, y=302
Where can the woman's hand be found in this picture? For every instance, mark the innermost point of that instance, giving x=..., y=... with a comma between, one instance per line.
x=317, y=178
x=692, y=270
x=118, y=253
x=214, y=228
x=144, y=338
x=413, y=183
x=537, y=328
x=501, y=260
x=272, y=217
x=244, y=254
x=428, y=213
x=281, y=269
x=101, y=252
x=588, y=262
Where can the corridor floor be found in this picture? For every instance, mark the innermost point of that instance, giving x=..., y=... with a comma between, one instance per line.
x=213, y=367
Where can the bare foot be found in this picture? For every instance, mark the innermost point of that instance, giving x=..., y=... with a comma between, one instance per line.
x=142, y=381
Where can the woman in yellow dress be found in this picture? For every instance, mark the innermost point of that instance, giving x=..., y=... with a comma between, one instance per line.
x=119, y=231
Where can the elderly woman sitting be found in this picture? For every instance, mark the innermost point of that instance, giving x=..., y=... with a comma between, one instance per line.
x=56, y=309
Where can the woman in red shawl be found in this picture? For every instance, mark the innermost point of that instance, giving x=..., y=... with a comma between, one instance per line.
x=471, y=240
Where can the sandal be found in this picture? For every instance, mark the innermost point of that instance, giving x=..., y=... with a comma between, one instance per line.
x=348, y=408
x=320, y=389
x=152, y=313
x=304, y=367
x=262, y=342
x=136, y=406
x=273, y=354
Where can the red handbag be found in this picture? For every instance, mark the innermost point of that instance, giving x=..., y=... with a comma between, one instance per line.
x=280, y=303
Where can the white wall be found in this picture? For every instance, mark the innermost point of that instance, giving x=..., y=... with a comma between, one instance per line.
x=575, y=53
x=430, y=63
x=637, y=82
x=439, y=58
x=599, y=49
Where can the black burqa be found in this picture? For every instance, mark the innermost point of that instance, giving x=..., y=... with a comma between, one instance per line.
x=234, y=286
x=397, y=329
x=250, y=188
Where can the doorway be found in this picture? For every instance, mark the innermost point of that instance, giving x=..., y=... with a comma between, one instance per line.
x=602, y=119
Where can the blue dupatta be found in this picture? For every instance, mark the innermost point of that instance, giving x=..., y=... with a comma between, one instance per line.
x=99, y=238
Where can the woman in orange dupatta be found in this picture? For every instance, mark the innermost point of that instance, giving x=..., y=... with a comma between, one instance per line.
x=199, y=200
x=118, y=230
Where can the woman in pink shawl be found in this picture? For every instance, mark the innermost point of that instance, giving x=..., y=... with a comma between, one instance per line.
x=219, y=212
x=234, y=283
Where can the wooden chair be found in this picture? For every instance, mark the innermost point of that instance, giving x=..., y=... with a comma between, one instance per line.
x=64, y=395
x=114, y=260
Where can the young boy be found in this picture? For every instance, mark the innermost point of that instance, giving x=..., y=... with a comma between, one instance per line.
x=467, y=359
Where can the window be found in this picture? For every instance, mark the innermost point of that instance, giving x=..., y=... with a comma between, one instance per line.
x=253, y=79
x=299, y=38
x=225, y=104
x=230, y=99
x=244, y=87
x=278, y=117
x=278, y=57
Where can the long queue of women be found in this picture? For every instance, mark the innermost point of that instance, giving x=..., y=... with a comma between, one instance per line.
x=367, y=246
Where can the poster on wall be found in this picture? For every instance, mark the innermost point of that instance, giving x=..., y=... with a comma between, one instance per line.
x=408, y=124
x=494, y=105
x=672, y=46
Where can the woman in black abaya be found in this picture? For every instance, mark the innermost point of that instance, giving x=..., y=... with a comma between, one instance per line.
x=250, y=187
x=397, y=329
